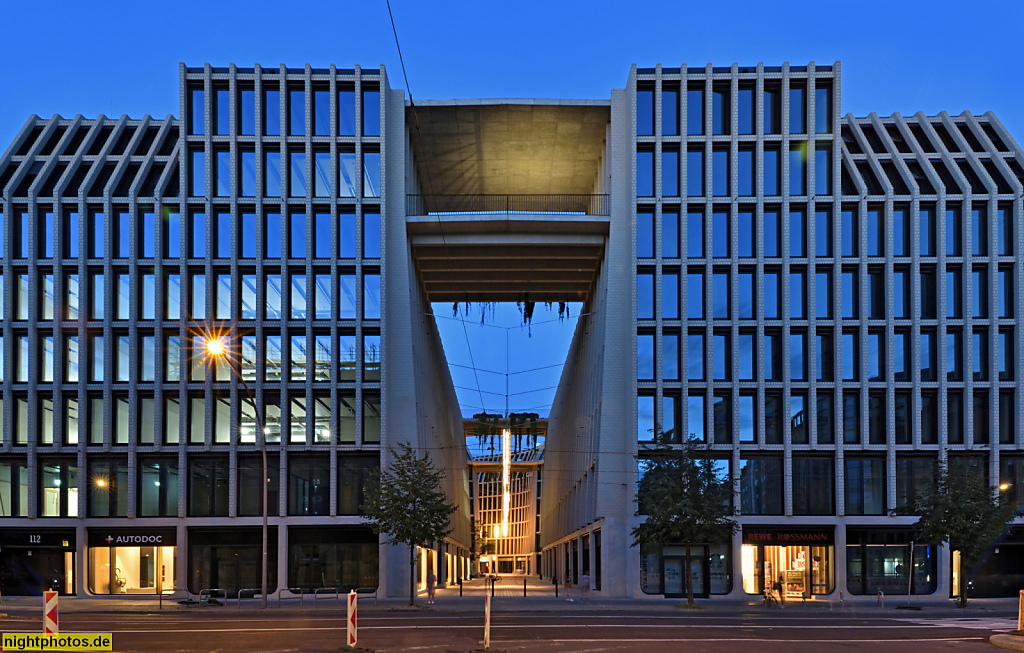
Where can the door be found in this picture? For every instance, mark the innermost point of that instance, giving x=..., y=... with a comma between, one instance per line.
x=673, y=576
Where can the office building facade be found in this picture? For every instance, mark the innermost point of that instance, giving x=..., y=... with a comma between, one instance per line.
x=828, y=302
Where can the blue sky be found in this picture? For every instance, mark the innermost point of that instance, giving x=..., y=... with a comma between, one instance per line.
x=122, y=58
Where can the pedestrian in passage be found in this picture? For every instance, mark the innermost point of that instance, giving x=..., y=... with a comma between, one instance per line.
x=568, y=584
x=431, y=586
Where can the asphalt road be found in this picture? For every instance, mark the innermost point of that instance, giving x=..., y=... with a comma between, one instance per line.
x=542, y=632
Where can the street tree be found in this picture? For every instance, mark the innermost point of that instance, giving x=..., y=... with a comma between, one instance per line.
x=407, y=504
x=683, y=499
x=963, y=511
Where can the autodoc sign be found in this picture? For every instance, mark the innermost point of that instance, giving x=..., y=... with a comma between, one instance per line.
x=133, y=537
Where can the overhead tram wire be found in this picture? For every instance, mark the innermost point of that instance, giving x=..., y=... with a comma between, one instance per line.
x=430, y=187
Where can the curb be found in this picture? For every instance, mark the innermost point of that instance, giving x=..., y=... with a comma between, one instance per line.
x=1009, y=642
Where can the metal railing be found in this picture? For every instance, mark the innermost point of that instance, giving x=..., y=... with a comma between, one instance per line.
x=170, y=593
x=569, y=204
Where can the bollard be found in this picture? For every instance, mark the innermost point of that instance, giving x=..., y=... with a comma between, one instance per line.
x=351, y=622
x=1020, y=612
x=554, y=581
x=881, y=598
x=460, y=587
x=50, y=619
x=492, y=587
x=487, y=621
x=524, y=588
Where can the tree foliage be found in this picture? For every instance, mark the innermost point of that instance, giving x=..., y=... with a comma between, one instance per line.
x=684, y=499
x=963, y=510
x=407, y=503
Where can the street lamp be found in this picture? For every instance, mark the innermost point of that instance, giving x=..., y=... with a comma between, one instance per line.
x=216, y=349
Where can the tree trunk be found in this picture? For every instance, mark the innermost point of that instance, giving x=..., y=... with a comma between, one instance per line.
x=412, y=574
x=689, y=578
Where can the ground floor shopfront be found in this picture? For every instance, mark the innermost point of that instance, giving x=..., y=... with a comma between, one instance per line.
x=123, y=561
x=810, y=562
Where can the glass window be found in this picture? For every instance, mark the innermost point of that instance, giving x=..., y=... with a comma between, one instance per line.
x=851, y=361
x=197, y=182
x=669, y=111
x=876, y=356
x=670, y=296
x=823, y=295
x=813, y=486
x=695, y=234
x=296, y=112
x=46, y=373
x=347, y=357
x=720, y=111
x=773, y=411
x=798, y=356
x=865, y=486
x=979, y=230
x=798, y=169
x=721, y=357
x=247, y=112
x=771, y=234
x=1006, y=297
x=322, y=358
x=272, y=173
x=158, y=488
x=761, y=486
x=720, y=234
x=173, y=297
x=222, y=173
x=980, y=355
x=822, y=169
x=772, y=171
x=876, y=294
x=198, y=220
x=222, y=111
x=745, y=171
x=695, y=111
x=851, y=303
x=1006, y=359
x=208, y=487
x=826, y=356
x=645, y=418
x=670, y=356
x=322, y=298
x=797, y=292
x=222, y=225
x=347, y=235
x=979, y=293
x=826, y=415
x=876, y=233
x=321, y=112
x=198, y=296
x=822, y=233
x=347, y=298
x=745, y=232
x=223, y=297
x=797, y=234
x=371, y=235
x=746, y=295
x=954, y=233
x=670, y=173
x=272, y=235
x=901, y=294
x=954, y=356
x=901, y=355
x=851, y=418
x=47, y=307
x=172, y=371
x=926, y=219
x=645, y=173
x=745, y=110
x=248, y=237
x=747, y=418
x=772, y=296
x=371, y=113
x=645, y=296
x=721, y=411
x=123, y=296
x=247, y=173
x=297, y=369
x=371, y=296
x=348, y=179
x=695, y=417
x=849, y=232
x=720, y=173
x=1004, y=223
x=695, y=356
x=58, y=492
x=695, y=296
x=297, y=180
x=954, y=304
x=272, y=113
x=822, y=110
x=321, y=174
x=346, y=112
x=298, y=295
x=797, y=110
x=645, y=234
x=297, y=235
x=371, y=418
x=197, y=109
x=371, y=358
x=694, y=173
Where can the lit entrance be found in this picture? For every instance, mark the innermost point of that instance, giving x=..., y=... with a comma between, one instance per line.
x=135, y=561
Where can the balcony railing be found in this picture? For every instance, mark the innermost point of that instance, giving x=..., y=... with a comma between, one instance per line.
x=548, y=204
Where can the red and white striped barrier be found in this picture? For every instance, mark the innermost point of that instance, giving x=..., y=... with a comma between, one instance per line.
x=50, y=620
x=352, y=618
x=487, y=621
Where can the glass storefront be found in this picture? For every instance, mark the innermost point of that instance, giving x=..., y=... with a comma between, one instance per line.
x=880, y=559
x=345, y=558
x=132, y=561
x=229, y=559
x=803, y=560
x=664, y=571
x=34, y=560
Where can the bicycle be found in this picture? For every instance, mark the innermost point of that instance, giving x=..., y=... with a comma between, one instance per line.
x=769, y=599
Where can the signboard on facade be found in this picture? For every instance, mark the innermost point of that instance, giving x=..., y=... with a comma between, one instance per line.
x=37, y=537
x=133, y=537
x=789, y=536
